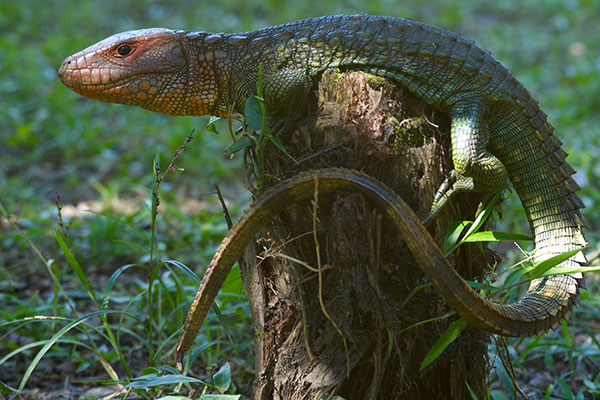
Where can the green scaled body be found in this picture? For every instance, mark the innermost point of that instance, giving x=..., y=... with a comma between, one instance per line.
x=498, y=130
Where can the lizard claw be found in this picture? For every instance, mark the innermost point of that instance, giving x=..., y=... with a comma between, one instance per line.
x=454, y=183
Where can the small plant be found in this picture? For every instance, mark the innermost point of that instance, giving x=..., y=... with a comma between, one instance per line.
x=523, y=272
x=155, y=330
x=257, y=119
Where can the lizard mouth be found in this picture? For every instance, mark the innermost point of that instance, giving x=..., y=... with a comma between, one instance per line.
x=105, y=84
x=74, y=75
x=83, y=78
x=97, y=90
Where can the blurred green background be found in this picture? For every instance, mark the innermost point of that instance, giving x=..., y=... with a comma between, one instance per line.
x=99, y=156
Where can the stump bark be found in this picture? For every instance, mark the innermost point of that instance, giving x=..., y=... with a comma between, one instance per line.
x=348, y=322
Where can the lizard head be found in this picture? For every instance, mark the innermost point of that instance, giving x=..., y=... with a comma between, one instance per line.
x=147, y=68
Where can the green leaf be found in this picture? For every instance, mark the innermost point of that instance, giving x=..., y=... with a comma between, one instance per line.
x=453, y=233
x=566, y=388
x=449, y=335
x=160, y=380
x=515, y=276
x=549, y=391
x=113, y=279
x=5, y=389
x=186, y=270
x=489, y=236
x=213, y=129
x=55, y=286
x=253, y=113
x=502, y=374
x=483, y=216
x=277, y=142
x=540, y=268
x=498, y=395
x=591, y=385
x=221, y=397
x=149, y=371
x=564, y=328
x=75, y=265
x=233, y=283
x=215, y=308
x=571, y=270
x=239, y=144
x=471, y=392
x=222, y=379
x=484, y=286
x=50, y=342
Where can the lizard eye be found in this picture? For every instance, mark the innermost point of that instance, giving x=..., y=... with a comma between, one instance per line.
x=124, y=50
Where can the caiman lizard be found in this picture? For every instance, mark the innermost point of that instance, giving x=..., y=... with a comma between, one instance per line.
x=498, y=131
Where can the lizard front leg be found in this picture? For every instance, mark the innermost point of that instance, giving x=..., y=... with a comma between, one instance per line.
x=475, y=168
x=285, y=92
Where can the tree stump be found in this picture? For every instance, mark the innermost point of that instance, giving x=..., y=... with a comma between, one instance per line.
x=353, y=329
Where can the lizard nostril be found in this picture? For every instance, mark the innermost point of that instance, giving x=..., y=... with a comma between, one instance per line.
x=66, y=64
x=64, y=67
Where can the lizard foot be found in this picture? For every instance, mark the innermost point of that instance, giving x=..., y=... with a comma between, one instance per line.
x=455, y=183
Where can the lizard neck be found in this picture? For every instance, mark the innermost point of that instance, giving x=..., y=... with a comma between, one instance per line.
x=209, y=75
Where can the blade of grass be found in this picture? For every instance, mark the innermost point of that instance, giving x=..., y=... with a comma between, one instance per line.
x=49, y=269
x=75, y=265
x=55, y=289
x=570, y=270
x=186, y=270
x=449, y=335
x=50, y=342
x=161, y=380
x=453, y=234
x=540, y=268
x=483, y=216
x=38, y=343
x=489, y=236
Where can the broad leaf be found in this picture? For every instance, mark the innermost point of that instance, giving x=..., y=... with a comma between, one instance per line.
x=239, y=144
x=253, y=113
x=222, y=379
